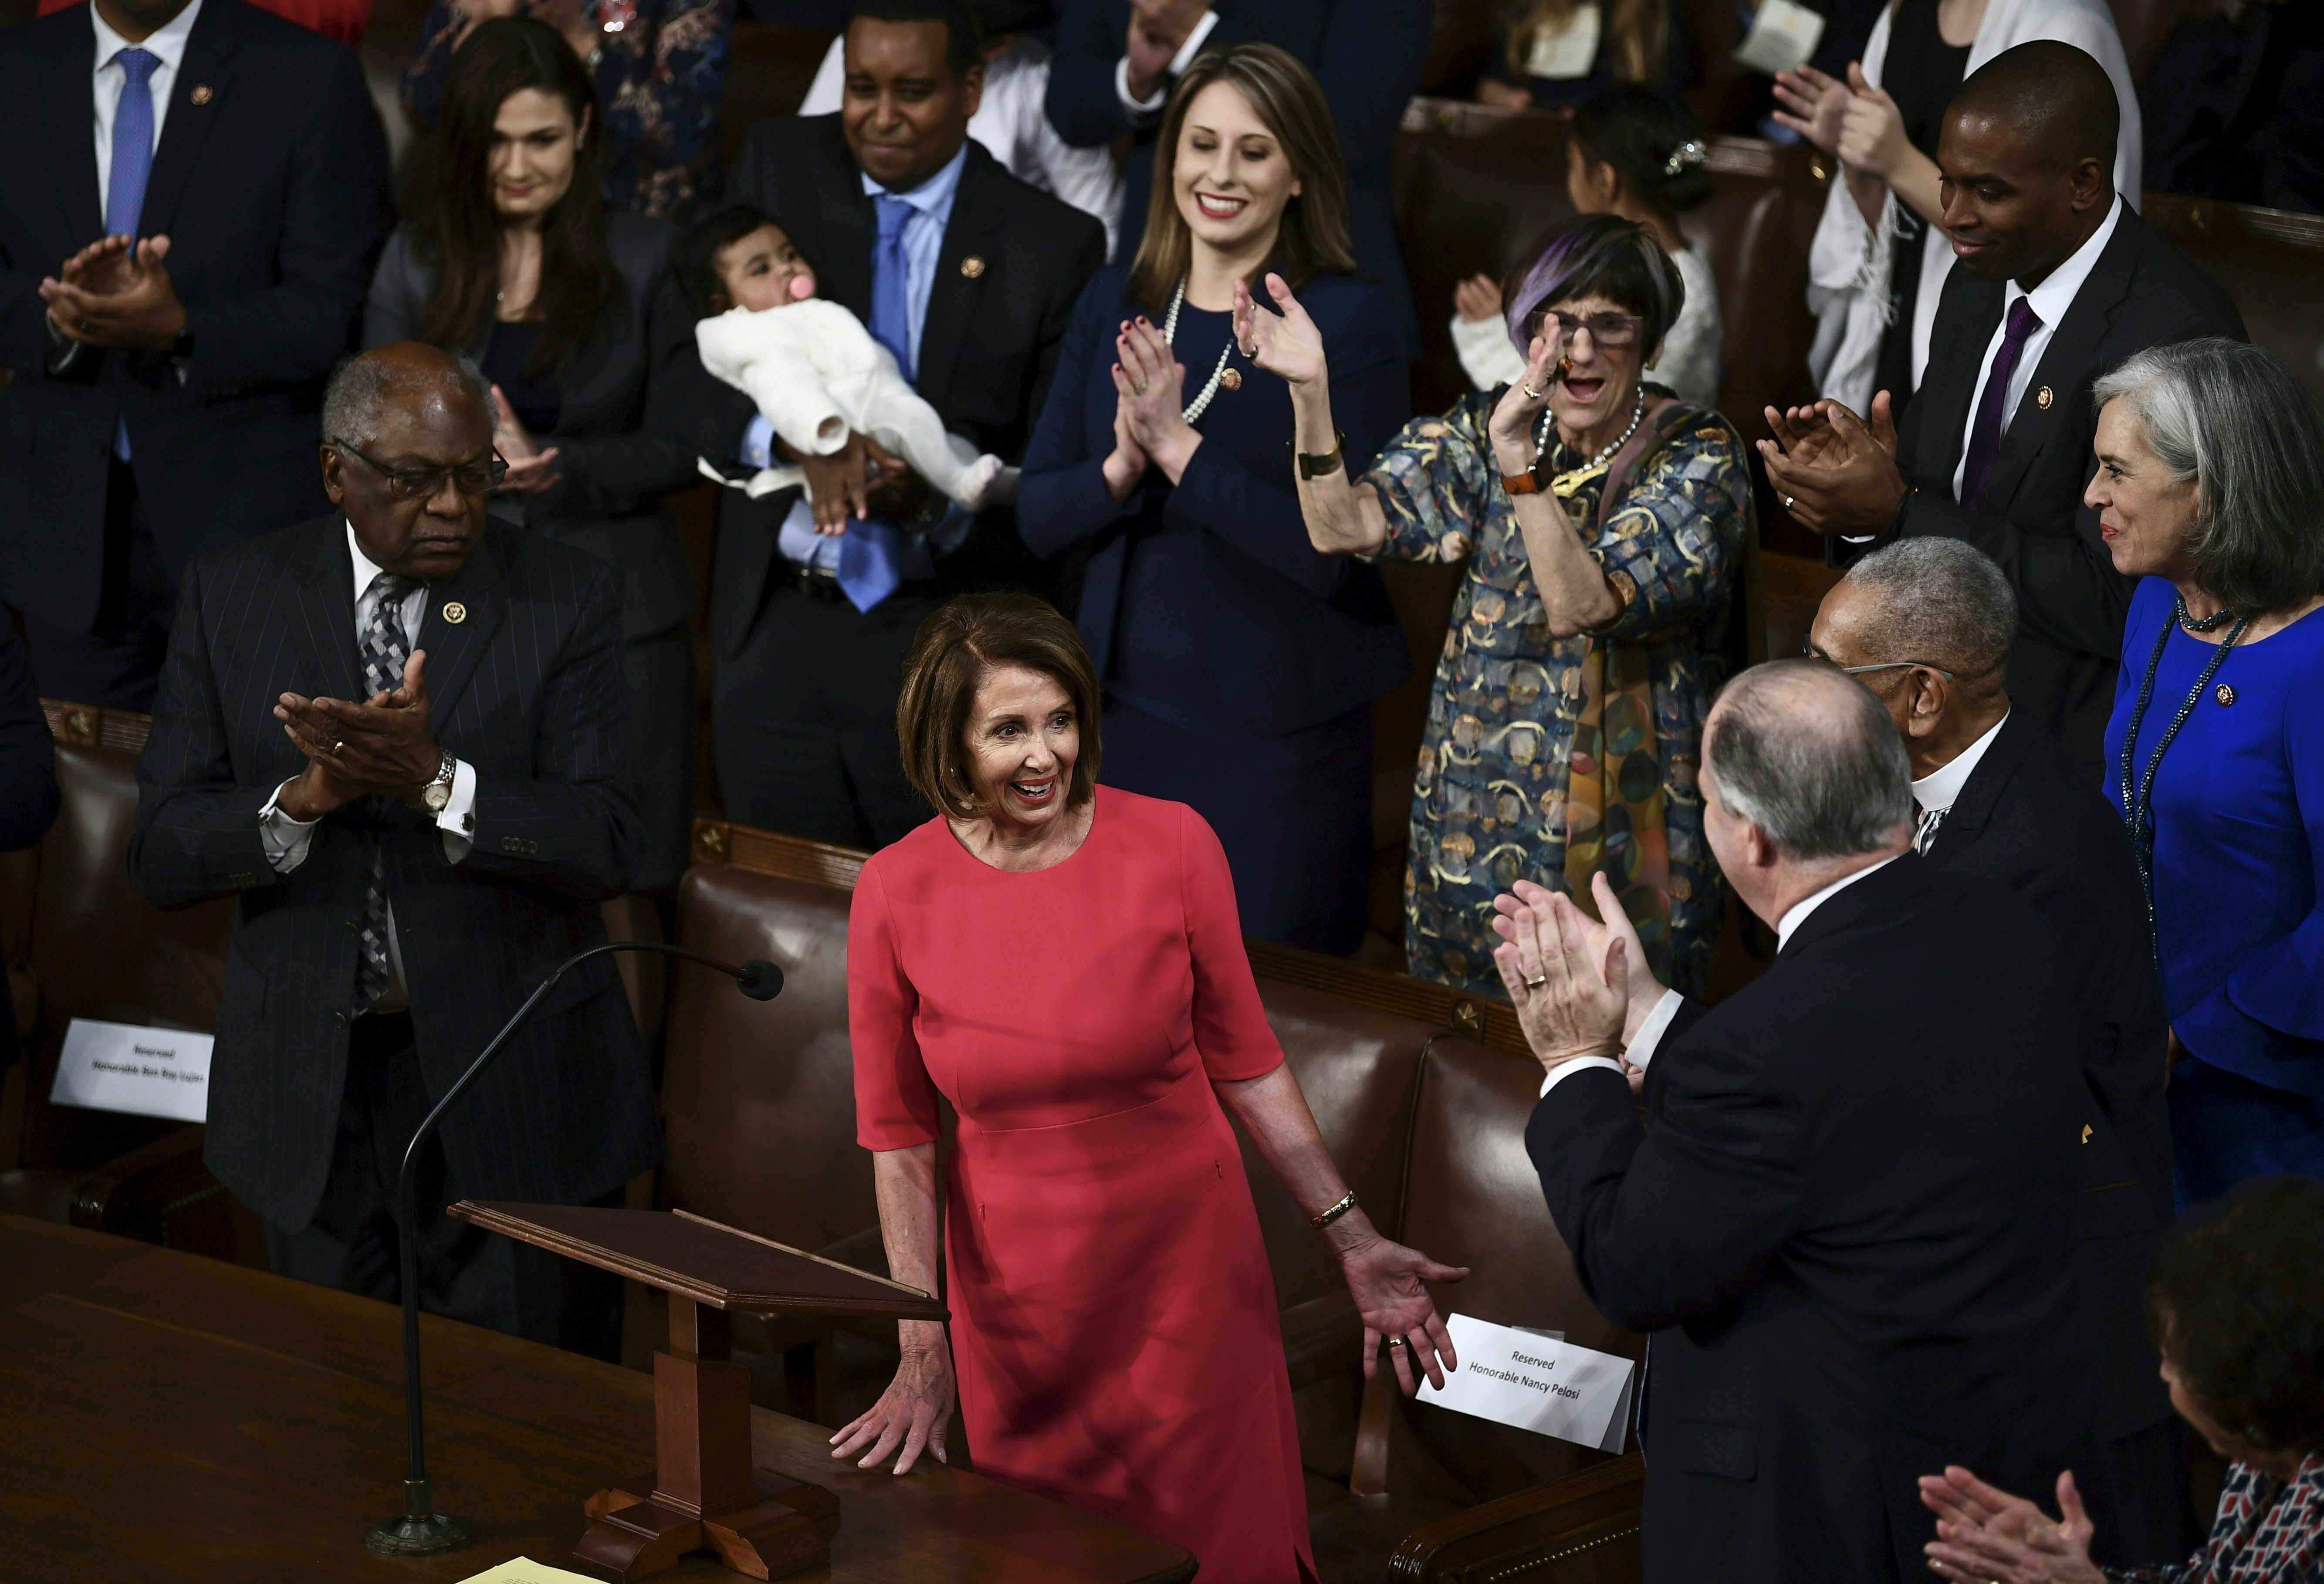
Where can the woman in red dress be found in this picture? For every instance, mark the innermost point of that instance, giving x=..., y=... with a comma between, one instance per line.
x=1061, y=962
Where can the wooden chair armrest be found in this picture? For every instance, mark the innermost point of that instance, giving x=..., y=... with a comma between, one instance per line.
x=134, y=1193
x=1558, y=1520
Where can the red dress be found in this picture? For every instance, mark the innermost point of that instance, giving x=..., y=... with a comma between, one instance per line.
x=1114, y=1327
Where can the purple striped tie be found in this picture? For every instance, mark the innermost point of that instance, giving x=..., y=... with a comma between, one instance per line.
x=1984, y=434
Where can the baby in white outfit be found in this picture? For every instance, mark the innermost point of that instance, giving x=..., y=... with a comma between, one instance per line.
x=818, y=376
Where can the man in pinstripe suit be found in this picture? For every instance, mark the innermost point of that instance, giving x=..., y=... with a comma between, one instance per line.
x=396, y=734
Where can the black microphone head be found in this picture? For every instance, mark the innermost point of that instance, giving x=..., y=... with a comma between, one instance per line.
x=761, y=981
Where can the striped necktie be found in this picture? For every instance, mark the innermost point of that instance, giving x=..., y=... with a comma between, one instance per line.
x=385, y=646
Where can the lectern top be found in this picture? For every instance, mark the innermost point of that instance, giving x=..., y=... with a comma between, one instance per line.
x=703, y=1260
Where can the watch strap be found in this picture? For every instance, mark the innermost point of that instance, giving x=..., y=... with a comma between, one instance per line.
x=1521, y=483
x=1319, y=463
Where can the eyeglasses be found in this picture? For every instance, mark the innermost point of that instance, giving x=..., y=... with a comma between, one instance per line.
x=1611, y=330
x=1808, y=650
x=479, y=477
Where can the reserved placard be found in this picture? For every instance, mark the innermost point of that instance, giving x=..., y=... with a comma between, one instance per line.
x=1528, y=1380
x=1783, y=35
x=525, y=1571
x=130, y=1067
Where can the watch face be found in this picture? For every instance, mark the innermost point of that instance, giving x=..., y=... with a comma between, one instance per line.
x=437, y=796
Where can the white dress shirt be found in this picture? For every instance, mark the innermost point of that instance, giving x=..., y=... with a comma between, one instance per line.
x=1937, y=791
x=2050, y=300
x=166, y=45
x=1141, y=111
x=1014, y=128
x=1641, y=1050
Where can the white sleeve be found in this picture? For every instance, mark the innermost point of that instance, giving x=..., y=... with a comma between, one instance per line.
x=457, y=820
x=1140, y=111
x=286, y=840
x=1486, y=355
x=1565, y=1070
x=768, y=362
x=823, y=95
x=1641, y=1050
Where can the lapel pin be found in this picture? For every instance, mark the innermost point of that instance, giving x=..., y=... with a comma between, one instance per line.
x=972, y=266
x=454, y=612
x=2226, y=694
x=201, y=94
x=1230, y=379
x=2041, y=399
x=2085, y=1132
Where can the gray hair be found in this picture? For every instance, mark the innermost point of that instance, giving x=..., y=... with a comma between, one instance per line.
x=361, y=386
x=1809, y=756
x=1942, y=602
x=2235, y=420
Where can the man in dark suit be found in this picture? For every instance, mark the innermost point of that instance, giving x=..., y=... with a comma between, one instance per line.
x=969, y=277
x=398, y=736
x=1846, y=1219
x=28, y=783
x=165, y=388
x=1117, y=59
x=1925, y=624
x=2057, y=281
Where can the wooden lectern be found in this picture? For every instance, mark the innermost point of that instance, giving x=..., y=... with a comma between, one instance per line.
x=703, y=1494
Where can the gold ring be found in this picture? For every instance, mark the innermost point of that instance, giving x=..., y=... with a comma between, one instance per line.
x=1532, y=984
x=1138, y=390
x=1396, y=1343
x=1531, y=394
x=337, y=745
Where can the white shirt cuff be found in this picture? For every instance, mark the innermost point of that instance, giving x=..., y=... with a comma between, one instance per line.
x=286, y=840
x=457, y=819
x=1641, y=1050
x=1139, y=109
x=1565, y=1070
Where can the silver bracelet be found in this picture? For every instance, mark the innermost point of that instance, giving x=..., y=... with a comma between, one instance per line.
x=1346, y=1204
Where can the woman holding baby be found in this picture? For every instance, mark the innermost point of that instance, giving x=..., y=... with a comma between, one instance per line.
x=1238, y=662
x=515, y=261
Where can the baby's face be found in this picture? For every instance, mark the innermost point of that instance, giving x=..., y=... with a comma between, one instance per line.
x=764, y=271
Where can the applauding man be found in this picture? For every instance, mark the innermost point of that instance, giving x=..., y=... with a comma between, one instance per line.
x=397, y=733
x=1847, y=1216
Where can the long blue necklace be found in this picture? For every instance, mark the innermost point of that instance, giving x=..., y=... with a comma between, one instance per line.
x=2138, y=803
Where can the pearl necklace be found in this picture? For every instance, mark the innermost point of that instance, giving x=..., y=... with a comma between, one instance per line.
x=1579, y=474
x=1201, y=404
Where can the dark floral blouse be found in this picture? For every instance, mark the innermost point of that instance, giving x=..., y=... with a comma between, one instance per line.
x=1549, y=759
x=658, y=85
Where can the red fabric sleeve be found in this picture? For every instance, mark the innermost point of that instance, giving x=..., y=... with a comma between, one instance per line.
x=344, y=20
x=1230, y=1024
x=894, y=1099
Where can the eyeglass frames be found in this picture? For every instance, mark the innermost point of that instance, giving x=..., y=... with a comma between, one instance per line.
x=479, y=477
x=1808, y=650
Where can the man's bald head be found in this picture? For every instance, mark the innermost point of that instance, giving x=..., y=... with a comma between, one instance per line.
x=405, y=374
x=1802, y=750
x=2055, y=98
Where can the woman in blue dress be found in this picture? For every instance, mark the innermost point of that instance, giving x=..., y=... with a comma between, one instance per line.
x=1239, y=663
x=2210, y=489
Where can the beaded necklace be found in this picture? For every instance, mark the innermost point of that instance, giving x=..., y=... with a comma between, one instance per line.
x=2138, y=804
x=1201, y=404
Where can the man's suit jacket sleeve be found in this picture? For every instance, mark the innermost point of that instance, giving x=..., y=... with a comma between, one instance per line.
x=196, y=834
x=2067, y=592
x=573, y=828
x=1081, y=104
x=1671, y=1221
x=334, y=217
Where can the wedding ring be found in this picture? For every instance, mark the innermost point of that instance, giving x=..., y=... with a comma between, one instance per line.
x=337, y=745
x=1537, y=983
x=1531, y=394
x=1138, y=390
x=1396, y=1343
x=1789, y=501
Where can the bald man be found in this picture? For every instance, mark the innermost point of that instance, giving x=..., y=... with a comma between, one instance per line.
x=2060, y=280
x=396, y=735
x=1847, y=1215
x=1924, y=624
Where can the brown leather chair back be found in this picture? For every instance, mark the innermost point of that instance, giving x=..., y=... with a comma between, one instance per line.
x=768, y=73
x=1473, y=1198
x=2268, y=261
x=758, y=1097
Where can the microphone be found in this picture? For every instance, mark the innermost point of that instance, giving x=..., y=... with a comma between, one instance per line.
x=420, y=1530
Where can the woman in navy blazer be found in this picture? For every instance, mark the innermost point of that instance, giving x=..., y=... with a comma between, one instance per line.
x=1239, y=663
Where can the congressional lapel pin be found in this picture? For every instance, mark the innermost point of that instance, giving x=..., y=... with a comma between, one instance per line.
x=2226, y=694
x=2085, y=1132
x=972, y=266
x=2041, y=399
x=454, y=612
x=1230, y=379
x=201, y=94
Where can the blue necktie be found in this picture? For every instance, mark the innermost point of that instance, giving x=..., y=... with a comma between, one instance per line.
x=133, y=164
x=871, y=555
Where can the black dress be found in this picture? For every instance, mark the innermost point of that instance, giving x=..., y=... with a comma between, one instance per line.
x=1922, y=73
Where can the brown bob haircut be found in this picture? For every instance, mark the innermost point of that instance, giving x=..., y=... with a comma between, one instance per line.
x=959, y=641
x=1314, y=233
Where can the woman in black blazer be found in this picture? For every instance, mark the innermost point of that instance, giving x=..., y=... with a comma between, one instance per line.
x=570, y=308
x=1240, y=664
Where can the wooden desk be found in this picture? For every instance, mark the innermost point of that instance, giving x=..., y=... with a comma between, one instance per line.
x=165, y=1418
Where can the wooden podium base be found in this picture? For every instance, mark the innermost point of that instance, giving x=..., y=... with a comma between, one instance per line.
x=632, y=1535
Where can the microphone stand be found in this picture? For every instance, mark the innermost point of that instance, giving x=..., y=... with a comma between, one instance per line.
x=420, y=1530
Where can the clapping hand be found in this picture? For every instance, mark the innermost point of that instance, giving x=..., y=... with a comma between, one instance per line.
x=117, y=293
x=1477, y=298
x=1151, y=385
x=1813, y=104
x=383, y=746
x=1286, y=343
x=1125, y=465
x=1568, y=1006
x=1987, y=1536
x=530, y=469
x=1517, y=414
x=1836, y=475
x=1598, y=936
x=1872, y=129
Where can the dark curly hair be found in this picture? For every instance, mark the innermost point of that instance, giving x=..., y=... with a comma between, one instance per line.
x=2238, y=1306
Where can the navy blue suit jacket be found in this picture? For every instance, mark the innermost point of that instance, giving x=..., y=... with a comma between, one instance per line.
x=1218, y=572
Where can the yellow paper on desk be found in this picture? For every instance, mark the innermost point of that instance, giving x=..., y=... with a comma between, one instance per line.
x=524, y=1570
